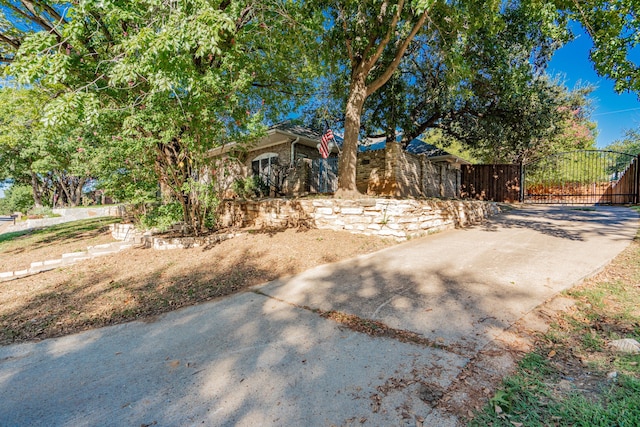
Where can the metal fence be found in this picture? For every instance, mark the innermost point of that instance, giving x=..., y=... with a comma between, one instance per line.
x=582, y=177
x=577, y=177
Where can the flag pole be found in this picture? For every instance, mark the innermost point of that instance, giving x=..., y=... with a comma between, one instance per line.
x=326, y=124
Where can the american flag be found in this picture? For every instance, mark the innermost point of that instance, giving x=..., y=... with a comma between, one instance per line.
x=324, y=143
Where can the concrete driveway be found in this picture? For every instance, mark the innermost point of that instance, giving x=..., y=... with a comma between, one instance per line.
x=268, y=358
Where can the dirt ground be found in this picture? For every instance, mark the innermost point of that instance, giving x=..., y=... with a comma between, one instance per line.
x=141, y=283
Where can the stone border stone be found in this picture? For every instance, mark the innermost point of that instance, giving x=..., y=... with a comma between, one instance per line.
x=66, y=259
x=128, y=233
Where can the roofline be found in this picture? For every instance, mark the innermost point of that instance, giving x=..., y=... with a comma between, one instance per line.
x=448, y=158
x=225, y=148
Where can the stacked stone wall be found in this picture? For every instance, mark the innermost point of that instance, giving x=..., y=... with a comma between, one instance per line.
x=406, y=171
x=400, y=219
x=371, y=172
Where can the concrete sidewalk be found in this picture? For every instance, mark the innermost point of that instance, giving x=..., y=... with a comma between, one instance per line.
x=269, y=359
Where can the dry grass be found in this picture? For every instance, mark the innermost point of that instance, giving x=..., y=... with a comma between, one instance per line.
x=142, y=283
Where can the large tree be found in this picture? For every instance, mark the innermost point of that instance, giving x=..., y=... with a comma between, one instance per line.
x=420, y=60
x=173, y=78
x=435, y=88
x=481, y=84
x=51, y=163
x=360, y=34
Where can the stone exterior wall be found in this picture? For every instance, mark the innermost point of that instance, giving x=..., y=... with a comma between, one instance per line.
x=297, y=180
x=282, y=150
x=400, y=219
x=304, y=152
x=406, y=170
x=371, y=172
x=394, y=172
x=387, y=172
x=224, y=171
x=440, y=179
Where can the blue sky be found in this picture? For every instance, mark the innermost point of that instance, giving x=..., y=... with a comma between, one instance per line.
x=614, y=113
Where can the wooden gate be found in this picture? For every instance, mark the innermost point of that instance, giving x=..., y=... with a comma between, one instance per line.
x=498, y=183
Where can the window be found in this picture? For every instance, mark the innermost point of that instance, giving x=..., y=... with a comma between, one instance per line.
x=264, y=166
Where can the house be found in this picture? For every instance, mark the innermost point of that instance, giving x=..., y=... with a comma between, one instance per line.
x=287, y=162
x=283, y=160
x=420, y=170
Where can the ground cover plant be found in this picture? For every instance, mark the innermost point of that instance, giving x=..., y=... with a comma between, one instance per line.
x=138, y=284
x=574, y=377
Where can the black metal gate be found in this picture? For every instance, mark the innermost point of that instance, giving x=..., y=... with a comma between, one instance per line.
x=582, y=177
x=324, y=175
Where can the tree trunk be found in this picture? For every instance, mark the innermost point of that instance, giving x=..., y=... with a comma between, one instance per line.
x=35, y=187
x=348, y=158
x=78, y=192
x=66, y=191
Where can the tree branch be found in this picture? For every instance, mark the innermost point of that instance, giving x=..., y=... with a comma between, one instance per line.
x=394, y=22
x=346, y=36
x=377, y=83
x=10, y=41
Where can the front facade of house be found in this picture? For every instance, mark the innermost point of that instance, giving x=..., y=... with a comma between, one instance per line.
x=282, y=160
x=288, y=163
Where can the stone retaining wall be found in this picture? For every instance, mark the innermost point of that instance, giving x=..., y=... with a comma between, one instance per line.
x=128, y=233
x=400, y=219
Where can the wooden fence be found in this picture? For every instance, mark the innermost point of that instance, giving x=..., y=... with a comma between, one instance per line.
x=498, y=183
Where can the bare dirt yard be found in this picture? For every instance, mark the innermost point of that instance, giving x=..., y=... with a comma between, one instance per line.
x=141, y=283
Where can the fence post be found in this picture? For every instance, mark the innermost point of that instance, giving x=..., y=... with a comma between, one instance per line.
x=636, y=195
x=521, y=174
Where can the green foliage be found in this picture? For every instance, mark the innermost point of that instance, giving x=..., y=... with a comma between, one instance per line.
x=17, y=198
x=60, y=161
x=475, y=74
x=251, y=186
x=363, y=42
x=162, y=217
x=614, y=28
x=630, y=144
x=159, y=83
x=527, y=399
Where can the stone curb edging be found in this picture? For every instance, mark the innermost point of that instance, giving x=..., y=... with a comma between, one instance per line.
x=128, y=233
x=66, y=259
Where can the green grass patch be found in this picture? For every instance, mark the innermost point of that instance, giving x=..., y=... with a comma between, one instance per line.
x=573, y=377
x=55, y=233
x=539, y=395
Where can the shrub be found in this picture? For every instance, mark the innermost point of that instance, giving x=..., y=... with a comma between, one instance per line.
x=162, y=217
x=251, y=186
x=18, y=198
